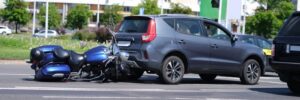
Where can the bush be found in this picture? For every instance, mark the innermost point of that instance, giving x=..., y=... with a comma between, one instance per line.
x=102, y=34
x=84, y=35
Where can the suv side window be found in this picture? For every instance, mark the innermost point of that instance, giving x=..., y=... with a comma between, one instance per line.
x=189, y=26
x=170, y=22
x=248, y=40
x=264, y=44
x=215, y=32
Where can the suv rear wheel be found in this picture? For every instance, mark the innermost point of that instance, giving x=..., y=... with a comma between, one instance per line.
x=251, y=72
x=294, y=86
x=208, y=77
x=172, y=70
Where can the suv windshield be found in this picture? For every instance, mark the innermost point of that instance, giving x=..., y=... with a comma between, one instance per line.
x=134, y=26
x=291, y=28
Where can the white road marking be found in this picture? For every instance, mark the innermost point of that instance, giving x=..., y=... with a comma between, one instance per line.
x=223, y=99
x=93, y=97
x=114, y=97
x=272, y=82
x=9, y=74
x=125, y=89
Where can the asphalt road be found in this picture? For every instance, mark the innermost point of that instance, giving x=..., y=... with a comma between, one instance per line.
x=16, y=83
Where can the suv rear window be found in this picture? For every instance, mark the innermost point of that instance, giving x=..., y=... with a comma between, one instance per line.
x=134, y=26
x=292, y=27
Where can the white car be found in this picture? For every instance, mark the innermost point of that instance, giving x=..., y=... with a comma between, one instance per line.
x=42, y=33
x=4, y=30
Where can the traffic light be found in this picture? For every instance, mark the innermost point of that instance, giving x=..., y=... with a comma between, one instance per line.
x=215, y=3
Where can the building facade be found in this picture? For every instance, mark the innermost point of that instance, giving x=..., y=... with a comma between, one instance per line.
x=65, y=5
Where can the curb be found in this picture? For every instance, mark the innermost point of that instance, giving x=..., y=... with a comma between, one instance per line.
x=13, y=62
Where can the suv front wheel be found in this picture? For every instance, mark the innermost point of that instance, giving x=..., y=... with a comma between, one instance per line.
x=172, y=70
x=251, y=72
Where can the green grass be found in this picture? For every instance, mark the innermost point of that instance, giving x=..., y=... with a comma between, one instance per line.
x=17, y=46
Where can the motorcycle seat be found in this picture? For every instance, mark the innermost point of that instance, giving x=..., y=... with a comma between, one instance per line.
x=61, y=54
x=76, y=61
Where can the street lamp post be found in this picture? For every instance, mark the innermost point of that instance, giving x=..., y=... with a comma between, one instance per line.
x=46, y=20
x=244, y=16
x=298, y=5
x=220, y=12
x=98, y=16
x=33, y=19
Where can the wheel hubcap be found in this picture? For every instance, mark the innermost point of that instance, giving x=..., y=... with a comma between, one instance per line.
x=252, y=72
x=173, y=70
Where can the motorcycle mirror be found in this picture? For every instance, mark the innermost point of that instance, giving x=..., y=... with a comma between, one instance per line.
x=124, y=56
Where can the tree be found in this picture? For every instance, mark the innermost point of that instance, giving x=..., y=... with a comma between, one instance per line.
x=271, y=4
x=53, y=16
x=268, y=20
x=284, y=10
x=15, y=12
x=111, y=15
x=150, y=7
x=264, y=24
x=78, y=17
x=177, y=8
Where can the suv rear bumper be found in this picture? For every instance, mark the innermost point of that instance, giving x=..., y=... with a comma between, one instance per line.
x=146, y=64
x=286, y=70
x=285, y=66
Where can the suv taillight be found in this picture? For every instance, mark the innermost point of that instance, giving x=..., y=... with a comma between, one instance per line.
x=273, y=50
x=151, y=32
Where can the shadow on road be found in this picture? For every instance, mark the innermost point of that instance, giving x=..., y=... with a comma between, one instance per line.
x=55, y=81
x=276, y=91
x=150, y=79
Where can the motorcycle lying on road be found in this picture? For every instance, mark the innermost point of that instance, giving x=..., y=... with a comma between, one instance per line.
x=52, y=62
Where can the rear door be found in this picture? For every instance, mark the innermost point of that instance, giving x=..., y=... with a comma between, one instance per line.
x=129, y=34
x=287, y=43
x=191, y=40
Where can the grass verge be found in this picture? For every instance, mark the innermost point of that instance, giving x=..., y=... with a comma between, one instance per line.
x=17, y=46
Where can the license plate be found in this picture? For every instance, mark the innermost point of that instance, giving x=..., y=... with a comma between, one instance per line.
x=124, y=43
x=294, y=48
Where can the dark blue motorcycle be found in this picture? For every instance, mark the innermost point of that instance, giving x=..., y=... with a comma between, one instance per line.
x=52, y=62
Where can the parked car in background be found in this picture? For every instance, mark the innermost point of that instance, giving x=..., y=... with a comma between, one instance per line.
x=42, y=33
x=172, y=45
x=4, y=30
x=263, y=43
x=286, y=53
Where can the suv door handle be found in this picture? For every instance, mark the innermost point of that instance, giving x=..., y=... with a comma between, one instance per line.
x=181, y=42
x=213, y=46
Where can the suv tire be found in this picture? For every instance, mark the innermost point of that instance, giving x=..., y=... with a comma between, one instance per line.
x=294, y=86
x=172, y=70
x=208, y=77
x=251, y=72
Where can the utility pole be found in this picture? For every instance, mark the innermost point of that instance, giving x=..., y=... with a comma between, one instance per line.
x=161, y=7
x=244, y=16
x=220, y=12
x=34, y=16
x=46, y=21
x=298, y=5
x=98, y=16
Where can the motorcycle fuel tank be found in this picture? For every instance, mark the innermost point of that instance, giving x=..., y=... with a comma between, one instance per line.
x=96, y=55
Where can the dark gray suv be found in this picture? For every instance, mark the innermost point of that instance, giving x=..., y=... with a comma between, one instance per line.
x=172, y=45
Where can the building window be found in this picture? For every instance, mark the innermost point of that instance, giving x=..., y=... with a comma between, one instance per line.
x=167, y=0
x=127, y=9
